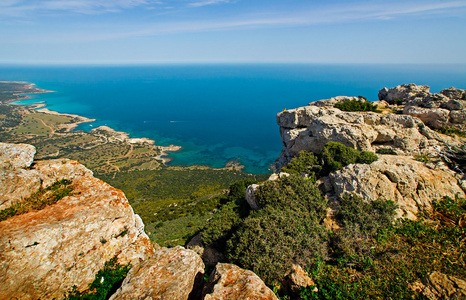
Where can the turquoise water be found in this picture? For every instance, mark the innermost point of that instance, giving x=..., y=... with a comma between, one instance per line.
x=217, y=113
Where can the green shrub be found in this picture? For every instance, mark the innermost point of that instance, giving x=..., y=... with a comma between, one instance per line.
x=357, y=105
x=336, y=155
x=451, y=131
x=304, y=162
x=106, y=282
x=272, y=239
x=386, y=151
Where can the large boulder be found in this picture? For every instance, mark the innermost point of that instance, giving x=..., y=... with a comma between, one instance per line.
x=228, y=281
x=403, y=92
x=310, y=128
x=15, y=156
x=169, y=274
x=411, y=184
x=44, y=253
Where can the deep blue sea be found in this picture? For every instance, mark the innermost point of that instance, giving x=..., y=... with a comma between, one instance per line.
x=217, y=113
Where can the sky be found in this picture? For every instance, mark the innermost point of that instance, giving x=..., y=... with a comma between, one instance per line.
x=232, y=31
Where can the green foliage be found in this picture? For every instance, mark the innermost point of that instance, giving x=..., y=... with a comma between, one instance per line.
x=424, y=158
x=335, y=156
x=39, y=199
x=106, y=282
x=386, y=151
x=451, y=131
x=397, y=101
x=285, y=230
x=396, y=254
x=357, y=105
x=304, y=162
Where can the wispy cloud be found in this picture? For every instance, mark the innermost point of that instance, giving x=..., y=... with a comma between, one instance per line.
x=207, y=2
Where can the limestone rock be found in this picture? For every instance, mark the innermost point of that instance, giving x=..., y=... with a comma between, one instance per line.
x=409, y=183
x=403, y=92
x=168, y=274
x=16, y=185
x=433, y=117
x=310, y=128
x=332, y=101
x=44, y=253
x=297, y=279
x=454, y=93
x=228, y=281
x=436, y=286
x=250, y=191
x=210, y=256
x=15, y=156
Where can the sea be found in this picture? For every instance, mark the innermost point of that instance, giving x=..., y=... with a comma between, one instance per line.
x=217, y=112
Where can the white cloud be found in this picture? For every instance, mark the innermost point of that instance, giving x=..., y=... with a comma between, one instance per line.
x=207, y=2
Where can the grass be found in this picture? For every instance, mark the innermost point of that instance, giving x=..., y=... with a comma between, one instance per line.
x=106, y=282
x=451, y=131
x=39, y=199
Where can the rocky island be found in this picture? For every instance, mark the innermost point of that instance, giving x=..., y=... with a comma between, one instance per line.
x=369, y=203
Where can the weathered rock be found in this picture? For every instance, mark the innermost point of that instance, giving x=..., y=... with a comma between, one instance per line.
x=403, y=92
x=250, y=191
x=44, y=253
x=433, y=117
x=310, y=128
x=168, y=274
x=437, y=286
x=411, y=184
x=228, y=281
x=16, y=185
x=210, y=256
x=15, y=156
x=297, y=279
x=454, y=93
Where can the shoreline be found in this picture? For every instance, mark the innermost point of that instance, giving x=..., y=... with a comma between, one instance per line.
x=118, y=135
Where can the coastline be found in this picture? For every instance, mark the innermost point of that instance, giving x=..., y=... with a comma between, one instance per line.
x=41, y=107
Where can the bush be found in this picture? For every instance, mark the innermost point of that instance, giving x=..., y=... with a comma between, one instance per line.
x=386, y=151
x=335, y=156
x=357, y=105
x=272, y=239
x=304, y=162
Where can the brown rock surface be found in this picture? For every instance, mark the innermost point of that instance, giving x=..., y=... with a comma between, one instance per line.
x=297, y=279
x=168, y=274
x=436, y=286
x=228, y=281
x=44, y=253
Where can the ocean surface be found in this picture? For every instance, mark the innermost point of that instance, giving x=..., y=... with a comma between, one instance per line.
x=217, y=113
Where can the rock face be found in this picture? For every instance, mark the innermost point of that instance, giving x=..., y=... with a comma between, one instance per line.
x=44, y=253
x=309, y=128
x=15, y=156
x=168, y=274
x=297, y=279
x=228, y=281
x=436, y=286
x=446, y=108
x=411, y=184
x=210, y=256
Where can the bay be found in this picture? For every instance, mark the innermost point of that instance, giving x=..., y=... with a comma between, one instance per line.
x=219, y=112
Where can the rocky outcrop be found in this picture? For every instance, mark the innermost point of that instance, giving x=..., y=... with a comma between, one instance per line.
x=296, y=279
x=437, y=286
x=228, y=281
x=169, y=274
x=446, y=108
x=309, y=128
x=16, y=156
x=210, y=256
x=411, y=184
x=44, y=253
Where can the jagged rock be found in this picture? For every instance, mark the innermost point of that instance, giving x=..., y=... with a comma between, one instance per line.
x=15, y=156
x=310, y=128
x=411, y=184
x=436, y=286
x=296, y=279
x=210, y=256
x=168, y=274
x=44, y=253
x=432, y=117
x=228, y=281
x=250, y=191
x=454, y=93
x=402, y=92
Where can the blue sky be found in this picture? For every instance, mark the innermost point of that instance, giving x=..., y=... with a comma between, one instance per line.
x=232, y=31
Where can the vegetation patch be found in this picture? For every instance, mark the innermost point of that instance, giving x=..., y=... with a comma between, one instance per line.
x=452, y=131
x=333, y=157
x=106, y=282
x=360, y=104
x=39, y=199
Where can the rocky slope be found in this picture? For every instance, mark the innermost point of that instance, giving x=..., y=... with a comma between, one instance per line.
x=45, y=252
